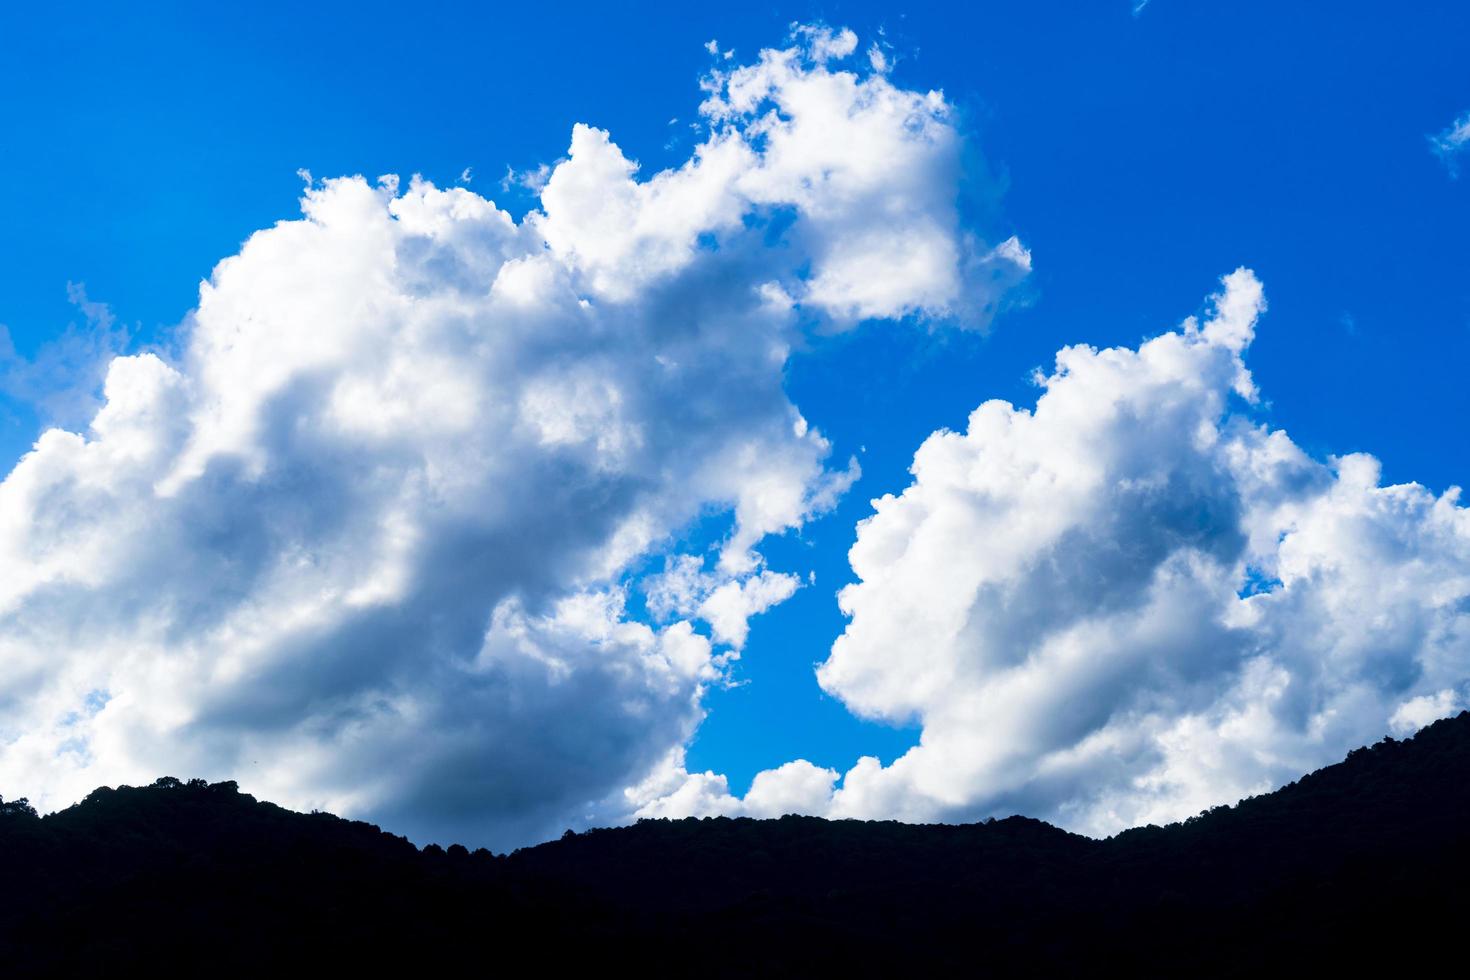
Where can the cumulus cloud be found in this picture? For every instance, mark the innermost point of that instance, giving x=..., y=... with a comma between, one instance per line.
x=367, y=543
x=1415, y=713
x=672, y=792
x=1133, y=602
x=872, y=168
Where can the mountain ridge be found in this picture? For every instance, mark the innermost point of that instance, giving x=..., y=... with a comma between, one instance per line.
x=1359, y=861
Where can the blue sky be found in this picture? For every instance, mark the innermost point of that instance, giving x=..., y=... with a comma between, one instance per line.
x=1139, y=156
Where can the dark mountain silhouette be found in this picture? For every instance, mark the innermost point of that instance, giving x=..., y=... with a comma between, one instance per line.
x=1360, y=866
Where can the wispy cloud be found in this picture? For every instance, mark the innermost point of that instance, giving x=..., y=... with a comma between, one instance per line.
x=1450, y=144
x=532, y=179
x=63, y=379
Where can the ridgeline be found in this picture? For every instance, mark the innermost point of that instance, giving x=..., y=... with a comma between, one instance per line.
x=1360, y=866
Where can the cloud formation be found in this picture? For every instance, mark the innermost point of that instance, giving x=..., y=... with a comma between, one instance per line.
x=366, y=544
x=1451, y=144
x=1133, y=602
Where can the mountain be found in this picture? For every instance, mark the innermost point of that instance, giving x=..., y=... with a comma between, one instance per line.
x=1359, y=866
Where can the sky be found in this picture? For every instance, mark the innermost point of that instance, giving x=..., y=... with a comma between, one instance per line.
x=870, y=410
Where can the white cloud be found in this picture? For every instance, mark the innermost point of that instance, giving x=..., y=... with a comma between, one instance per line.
x=1132, y=602
x=532, y=179
x=723, y=601
x=1417, y=712
x=824, y=44
x=872, y=168
x=729, y=607
x=1452, y=143
x=670, y=791
x=365, y=543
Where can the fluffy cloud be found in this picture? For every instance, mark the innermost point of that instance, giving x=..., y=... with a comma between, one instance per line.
x=1132, y=602
x=366, y=542
x=670, y=791
x=685, y=589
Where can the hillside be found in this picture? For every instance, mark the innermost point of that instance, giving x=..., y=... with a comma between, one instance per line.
x=1359, y=863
